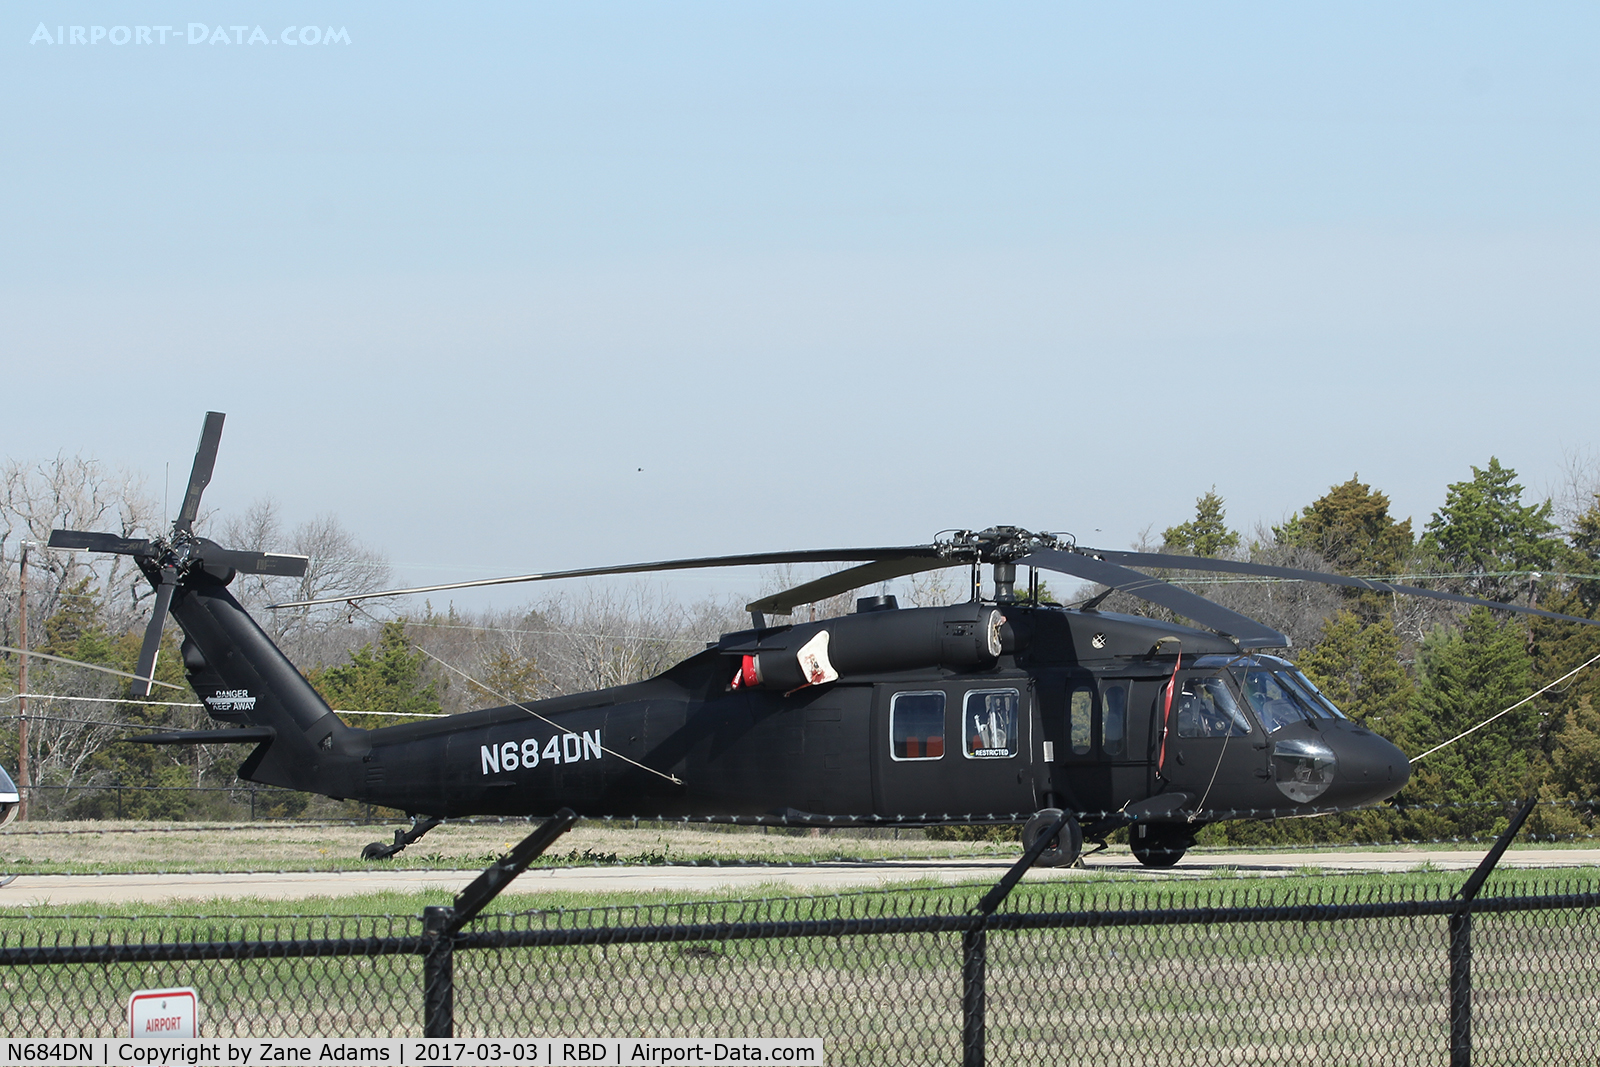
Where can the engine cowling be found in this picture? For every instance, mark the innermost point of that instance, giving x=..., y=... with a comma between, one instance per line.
x=961, y=636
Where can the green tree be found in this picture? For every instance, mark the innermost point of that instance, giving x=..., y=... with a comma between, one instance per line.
x=1207, y=534
x=509, y=676
x=1582, y=557
x=1467, y=676
x=1357, y=664
x=1485, y=529
x=70, y=749
x=388, y=679
x=1573, y=780
x=75, y=630
x=1570, y=707
x=1350, y=527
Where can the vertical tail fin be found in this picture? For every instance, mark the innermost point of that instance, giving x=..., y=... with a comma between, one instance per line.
x=242, y=677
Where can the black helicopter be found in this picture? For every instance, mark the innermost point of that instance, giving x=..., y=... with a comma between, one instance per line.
x=1002, y=710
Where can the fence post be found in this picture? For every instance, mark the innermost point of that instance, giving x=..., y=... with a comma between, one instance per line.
x=438, y=972
x=974, y=957
x=975, y=950
x=1461, y=941
x=441, y=924
x=1461, y=989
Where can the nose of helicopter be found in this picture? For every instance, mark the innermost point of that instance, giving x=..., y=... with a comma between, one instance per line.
x=1337, y=763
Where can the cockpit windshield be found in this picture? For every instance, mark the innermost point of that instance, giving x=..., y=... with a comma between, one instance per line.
x=1281, y=697
x=1313, y=694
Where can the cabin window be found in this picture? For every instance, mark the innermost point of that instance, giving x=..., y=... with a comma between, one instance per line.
x=1206, y=708
x=989, y=723
x=1082, y=721
x=1114, y=720
x=916, y=726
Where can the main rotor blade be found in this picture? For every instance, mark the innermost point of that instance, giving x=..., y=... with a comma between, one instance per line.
x=99, y=542
x=1228, y=566
x=757, y=559
x=843, y=581
x=271, y=563
x=205, y=458
x=1242, y=628
x=152, y=635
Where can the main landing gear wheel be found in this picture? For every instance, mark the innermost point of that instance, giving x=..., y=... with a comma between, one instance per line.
x=420, y=824
x=1159, y=845
x=1064, y=848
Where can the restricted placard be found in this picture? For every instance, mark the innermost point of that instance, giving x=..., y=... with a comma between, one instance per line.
x=403, y=1052
x=164, y=1013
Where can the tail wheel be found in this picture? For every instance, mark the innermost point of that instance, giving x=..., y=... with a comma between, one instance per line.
x=1160, y=844
x=1064, y=849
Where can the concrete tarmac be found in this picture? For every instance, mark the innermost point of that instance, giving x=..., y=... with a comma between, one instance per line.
x=708, y=882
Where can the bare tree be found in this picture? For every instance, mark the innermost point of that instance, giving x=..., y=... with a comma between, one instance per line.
x=598, y=636
x=1577, y=485
x=934, y=589
x=609, y=635
x=1294, y=608
x=340, y=566
x=65, y=727
x=78, y=494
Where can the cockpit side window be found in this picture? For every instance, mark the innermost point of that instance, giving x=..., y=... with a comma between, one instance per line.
x=1206, y=708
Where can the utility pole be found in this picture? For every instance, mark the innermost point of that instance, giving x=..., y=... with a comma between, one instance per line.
x=22, y=687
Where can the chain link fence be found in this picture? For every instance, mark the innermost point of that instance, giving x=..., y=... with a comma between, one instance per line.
x=1370, y=974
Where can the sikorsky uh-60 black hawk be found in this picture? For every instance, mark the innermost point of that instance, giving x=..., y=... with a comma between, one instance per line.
x=1005, y=709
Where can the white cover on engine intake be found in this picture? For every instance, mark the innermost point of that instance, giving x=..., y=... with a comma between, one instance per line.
x=813, y=657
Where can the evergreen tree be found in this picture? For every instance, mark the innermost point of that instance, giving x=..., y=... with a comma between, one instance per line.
x=1570, y=708
x=77, y=630
x=1467, y=676
x=1357, y=665
x=509, y=676
x=1573, y=783
x=1485, y=529
x=386, y=679
x=1351, y=528
x=1207, y=534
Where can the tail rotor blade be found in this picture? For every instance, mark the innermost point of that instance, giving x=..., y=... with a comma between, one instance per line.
x=270, y=563
x=205, y=458
x=152, y=636
x=99, y=542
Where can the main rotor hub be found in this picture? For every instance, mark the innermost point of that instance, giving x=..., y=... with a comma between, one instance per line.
x=998, y=544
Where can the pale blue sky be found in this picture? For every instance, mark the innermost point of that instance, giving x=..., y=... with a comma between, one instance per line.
x=830, y=273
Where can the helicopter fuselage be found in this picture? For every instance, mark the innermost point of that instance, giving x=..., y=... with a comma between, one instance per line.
x=920, y=715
